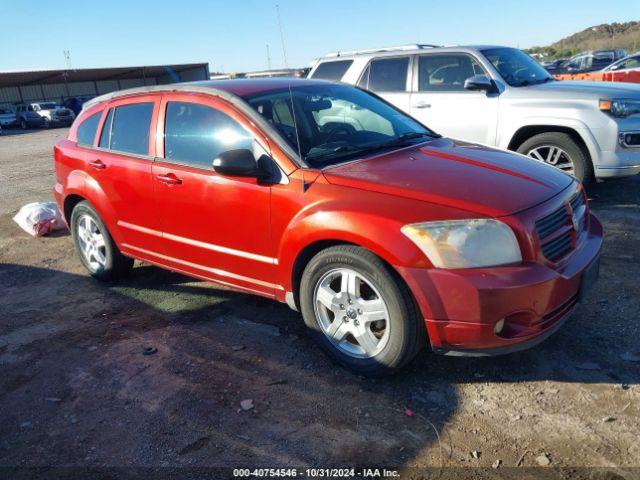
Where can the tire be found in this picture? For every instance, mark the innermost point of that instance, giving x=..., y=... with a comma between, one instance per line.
x=105, y=263
x=404, y=332
x=582, y=167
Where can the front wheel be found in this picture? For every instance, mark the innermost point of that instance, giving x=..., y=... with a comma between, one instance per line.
x=97, y=251
x=360, y=311
x=560, y=150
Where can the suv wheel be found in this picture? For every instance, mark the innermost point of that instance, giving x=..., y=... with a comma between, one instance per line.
x=97, y=250
x=359, y=311
x=559, y=150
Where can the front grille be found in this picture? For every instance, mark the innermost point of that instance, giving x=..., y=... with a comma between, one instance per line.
x=557, y=232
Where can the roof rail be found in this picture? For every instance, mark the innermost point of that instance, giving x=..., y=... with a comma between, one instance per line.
x=412, y=46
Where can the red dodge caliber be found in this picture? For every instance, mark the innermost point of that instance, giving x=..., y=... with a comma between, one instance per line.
x=386, y=236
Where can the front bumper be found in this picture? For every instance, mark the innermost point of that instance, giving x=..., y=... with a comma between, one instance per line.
x=462, y=307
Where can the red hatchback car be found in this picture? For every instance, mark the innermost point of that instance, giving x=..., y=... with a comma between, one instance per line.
x=386, y=236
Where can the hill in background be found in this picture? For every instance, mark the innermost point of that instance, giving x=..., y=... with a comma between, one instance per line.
x=600, y=37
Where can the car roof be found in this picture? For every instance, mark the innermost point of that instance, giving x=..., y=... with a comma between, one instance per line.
x=392, y=53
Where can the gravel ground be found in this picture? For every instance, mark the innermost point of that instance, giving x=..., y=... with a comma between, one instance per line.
x=77, y=390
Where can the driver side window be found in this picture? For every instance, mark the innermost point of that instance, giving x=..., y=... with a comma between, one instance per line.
x=446, y=73
x=195, y=134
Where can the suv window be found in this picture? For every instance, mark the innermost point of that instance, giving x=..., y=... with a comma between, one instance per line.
x=386, y=75
x=87, y=129
x=332, y=70
x=196, y=134
x=446, y=73
x=130, y=128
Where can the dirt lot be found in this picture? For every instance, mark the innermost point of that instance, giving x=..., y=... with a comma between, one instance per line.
x=77, y=390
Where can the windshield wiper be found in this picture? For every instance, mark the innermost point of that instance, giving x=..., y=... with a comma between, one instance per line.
x=350, y=150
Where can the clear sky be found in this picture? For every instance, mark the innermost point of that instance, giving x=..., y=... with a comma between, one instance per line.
x=232, y=34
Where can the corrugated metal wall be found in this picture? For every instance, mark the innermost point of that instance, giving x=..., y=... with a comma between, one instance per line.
x=34, y=93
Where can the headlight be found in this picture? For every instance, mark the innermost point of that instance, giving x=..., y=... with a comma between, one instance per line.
x=465, y=243
x=620, y=107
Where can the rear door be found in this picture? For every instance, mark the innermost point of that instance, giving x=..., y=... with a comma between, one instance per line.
x=121, y=165
x=213, y=226
x=440, y=101
x=389, y=78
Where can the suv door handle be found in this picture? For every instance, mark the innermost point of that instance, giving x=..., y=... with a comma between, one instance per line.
x=422, y=105
x=98, y=164
x=169, y=179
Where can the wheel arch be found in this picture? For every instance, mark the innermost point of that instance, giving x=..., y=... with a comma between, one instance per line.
x=524, y=133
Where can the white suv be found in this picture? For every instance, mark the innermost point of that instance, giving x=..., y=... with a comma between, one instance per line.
x=501, y=97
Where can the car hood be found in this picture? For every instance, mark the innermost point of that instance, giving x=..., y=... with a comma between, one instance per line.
x=588, y=88
x=456, y=174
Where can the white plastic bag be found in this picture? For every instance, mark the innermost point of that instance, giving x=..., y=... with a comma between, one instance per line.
x=39, y=218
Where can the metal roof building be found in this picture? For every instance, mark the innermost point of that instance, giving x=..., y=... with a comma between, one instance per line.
x=57, y=85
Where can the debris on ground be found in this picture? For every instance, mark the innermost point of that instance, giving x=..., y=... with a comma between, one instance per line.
x=39, y=218
x=608, y=419
x=497, y=463
x=246, y=404
x=475, y=454
x=149, y=350
x=543, y=460
x=408, y=412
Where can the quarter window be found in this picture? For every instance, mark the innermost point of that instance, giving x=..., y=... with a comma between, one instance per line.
x=446, y=73
x=332, y=70
x=387, y=75
x=196, y=134
x=87, y=129
x=130, y=128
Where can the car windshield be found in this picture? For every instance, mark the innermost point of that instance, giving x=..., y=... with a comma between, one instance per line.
x=336, y=123
x=516, y=67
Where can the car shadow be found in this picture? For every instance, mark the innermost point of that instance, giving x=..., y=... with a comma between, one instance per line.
x=162, y=370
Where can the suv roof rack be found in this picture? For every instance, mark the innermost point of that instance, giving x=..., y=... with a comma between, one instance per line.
x=412, y=46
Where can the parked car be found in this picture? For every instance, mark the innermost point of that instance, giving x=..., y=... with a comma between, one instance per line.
x=43, y=114
x=75, y=103
x=589, y=61
x=552, y=64
x=501, y=97
x=386, y=236
x=632, y=62
x=7, y=117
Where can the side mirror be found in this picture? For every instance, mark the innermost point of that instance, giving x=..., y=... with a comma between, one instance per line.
x=479, y=83
x=239, y=163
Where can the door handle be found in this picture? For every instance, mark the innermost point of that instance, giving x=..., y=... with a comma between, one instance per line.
x=422, y=105
x=98, y=164
x=169, y=179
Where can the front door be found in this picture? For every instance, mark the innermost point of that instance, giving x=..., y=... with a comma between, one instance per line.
x=214, y=226
x=440, y=101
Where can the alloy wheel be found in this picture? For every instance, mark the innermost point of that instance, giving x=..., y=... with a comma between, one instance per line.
x=352, y=313
x=553, y=155
x=91, y=242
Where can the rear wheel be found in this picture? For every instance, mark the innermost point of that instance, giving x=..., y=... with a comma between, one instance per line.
x=359, y=311
x=96, y=249
x=558, y=149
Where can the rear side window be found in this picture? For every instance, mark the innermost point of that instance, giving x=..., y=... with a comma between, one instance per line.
x=196, y=134
x=387, y=75
x=130, y=128
x=332, y=70
x=87, y=129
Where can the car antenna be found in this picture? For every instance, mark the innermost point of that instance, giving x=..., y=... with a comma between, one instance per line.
x=293, y=108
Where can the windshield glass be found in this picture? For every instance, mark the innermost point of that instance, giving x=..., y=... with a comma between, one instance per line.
x=48, y=106
x=516, y=67
x=336, y=123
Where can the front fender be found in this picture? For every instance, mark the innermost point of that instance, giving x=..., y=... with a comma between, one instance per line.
x=379, y=233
